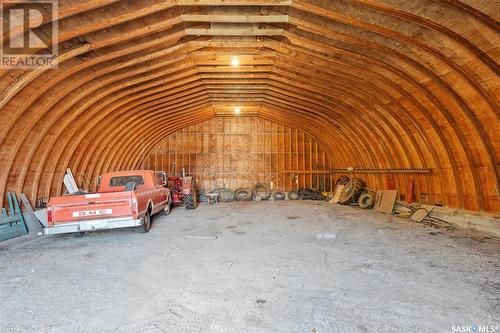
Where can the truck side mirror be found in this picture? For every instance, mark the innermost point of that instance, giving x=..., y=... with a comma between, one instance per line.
x=99, y=181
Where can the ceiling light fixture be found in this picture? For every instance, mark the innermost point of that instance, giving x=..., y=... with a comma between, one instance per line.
x=235, y=61
x=237, y=110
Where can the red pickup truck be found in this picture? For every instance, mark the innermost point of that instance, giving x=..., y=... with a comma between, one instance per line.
x=123, y=199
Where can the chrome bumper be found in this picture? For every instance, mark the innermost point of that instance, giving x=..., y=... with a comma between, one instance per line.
x=92, y=225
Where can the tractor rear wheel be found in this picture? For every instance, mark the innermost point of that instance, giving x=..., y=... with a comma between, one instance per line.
x=352, y=191
x=190, y=200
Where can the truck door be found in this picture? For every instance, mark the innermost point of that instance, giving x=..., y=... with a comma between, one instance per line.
x=161, y=181
x=157, y=195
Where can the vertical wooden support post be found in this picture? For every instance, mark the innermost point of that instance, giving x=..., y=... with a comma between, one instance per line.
x=292, y=184
x=162, y=154
x=169, y=161
x=303, y=158
x=190, y=145
x=223, y=154
x=311, y=166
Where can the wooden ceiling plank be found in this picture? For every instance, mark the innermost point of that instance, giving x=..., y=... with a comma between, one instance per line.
x=235, y=18
x=234, y=32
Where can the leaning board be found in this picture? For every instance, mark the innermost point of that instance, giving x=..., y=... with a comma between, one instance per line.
x=384, y=201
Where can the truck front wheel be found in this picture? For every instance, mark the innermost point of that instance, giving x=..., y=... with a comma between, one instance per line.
x=146, y=223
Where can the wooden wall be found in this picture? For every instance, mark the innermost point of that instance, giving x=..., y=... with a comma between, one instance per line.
x=241, y=151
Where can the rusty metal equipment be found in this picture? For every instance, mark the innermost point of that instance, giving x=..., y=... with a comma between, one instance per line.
x=12, y=223
x=183, y=191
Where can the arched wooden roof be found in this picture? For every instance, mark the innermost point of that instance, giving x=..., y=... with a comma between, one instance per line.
x=382, y=84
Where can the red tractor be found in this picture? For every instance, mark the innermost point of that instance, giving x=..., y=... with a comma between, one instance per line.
x=183, y=191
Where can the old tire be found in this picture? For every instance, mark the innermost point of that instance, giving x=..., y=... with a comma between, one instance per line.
x=262, y=190
x=202, y=196
x=278, y=196
x=168, y=207
x=293, y=195
x=146, y=224
x=225, y=195
x=243, y=194
x=351, y=191
x=343, y=180
x=190, y=200
x=366, y=200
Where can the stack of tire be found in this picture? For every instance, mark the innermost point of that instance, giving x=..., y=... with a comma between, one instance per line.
x=279, y=196
x=366, y=199
x=305, y=194
x=353, y=188
x=355, y=192
x=243, y=194
x=293, y=195
x=310, y=194
x=264, y=192
x=202, y=195
x=261, y=190
x=342, y=180
x=225, y=194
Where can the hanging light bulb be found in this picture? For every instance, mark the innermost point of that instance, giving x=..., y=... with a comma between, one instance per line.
x=237, y=110
x=235, y=61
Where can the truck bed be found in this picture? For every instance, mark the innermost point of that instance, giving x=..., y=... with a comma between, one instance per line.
x=87, y=212
x=74, y=208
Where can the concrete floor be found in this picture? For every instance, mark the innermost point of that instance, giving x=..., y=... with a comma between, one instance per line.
x=252, y=267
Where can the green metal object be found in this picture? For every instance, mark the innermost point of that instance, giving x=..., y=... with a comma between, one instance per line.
x=12, y=223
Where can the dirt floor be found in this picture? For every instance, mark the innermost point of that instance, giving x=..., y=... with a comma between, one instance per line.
x=253, y=267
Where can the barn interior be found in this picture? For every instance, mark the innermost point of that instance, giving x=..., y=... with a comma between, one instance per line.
x=297, y=96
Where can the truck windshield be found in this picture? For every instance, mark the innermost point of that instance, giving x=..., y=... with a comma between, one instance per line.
x=122, y=180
